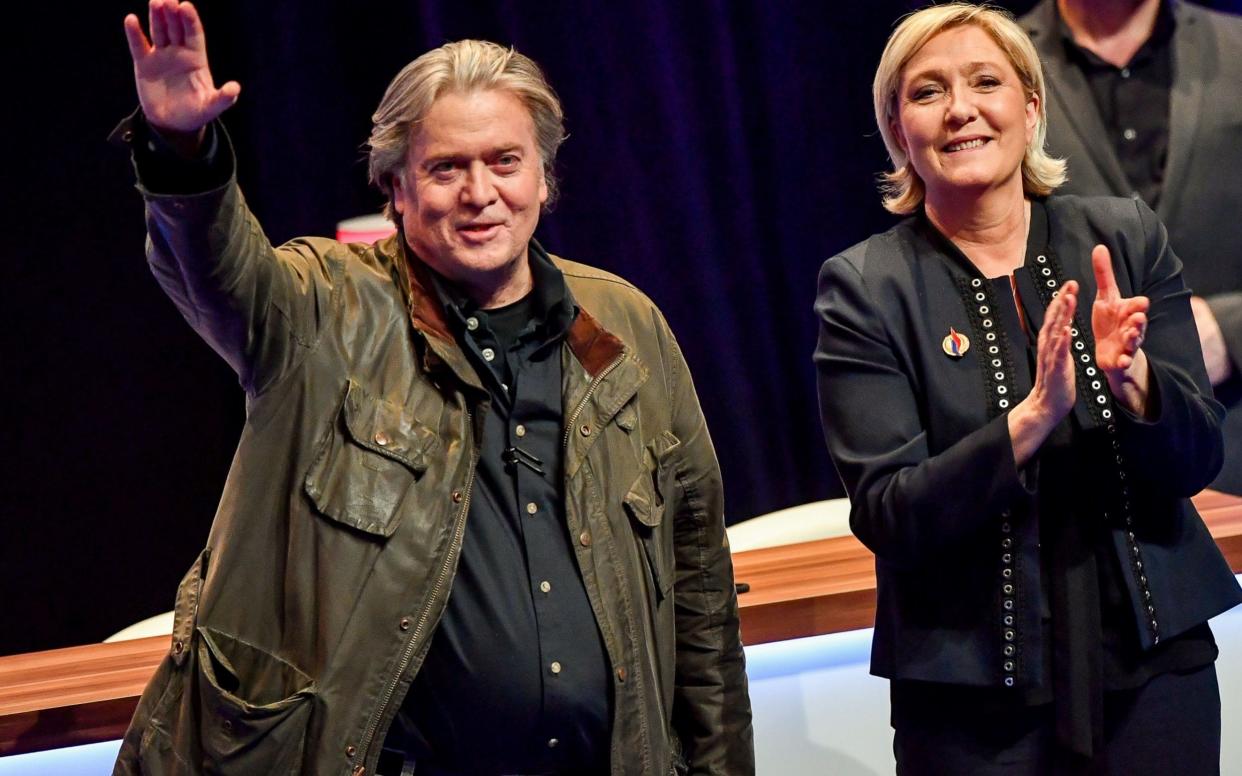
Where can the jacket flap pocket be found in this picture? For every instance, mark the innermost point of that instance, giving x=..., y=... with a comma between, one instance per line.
x=251, y=680
x=382, y=428
x=643, y=503
x=254, y=707
x=664, y=443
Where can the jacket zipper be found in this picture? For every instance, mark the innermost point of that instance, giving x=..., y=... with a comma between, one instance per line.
x=599, y=378
x=459, y=528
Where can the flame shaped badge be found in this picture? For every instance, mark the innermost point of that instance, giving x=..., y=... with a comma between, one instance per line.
x=956, y=344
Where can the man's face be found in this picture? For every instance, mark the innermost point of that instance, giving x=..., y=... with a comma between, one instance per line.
x=470, y=194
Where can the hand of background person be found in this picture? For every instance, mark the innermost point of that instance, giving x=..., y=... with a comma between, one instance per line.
x=1212, y=341
x=1119, y=325
x=1053, y=394
x=175, y=88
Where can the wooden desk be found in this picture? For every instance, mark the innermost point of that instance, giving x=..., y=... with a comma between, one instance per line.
x=81, y=695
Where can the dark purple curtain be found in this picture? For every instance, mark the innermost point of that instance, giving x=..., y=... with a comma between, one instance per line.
x=718, y=153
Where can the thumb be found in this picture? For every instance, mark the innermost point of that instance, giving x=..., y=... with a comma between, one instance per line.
x=1102, y=266
x=224, y=98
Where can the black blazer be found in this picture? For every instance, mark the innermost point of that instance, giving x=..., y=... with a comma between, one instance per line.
x=921, y=442
x=1201, y=197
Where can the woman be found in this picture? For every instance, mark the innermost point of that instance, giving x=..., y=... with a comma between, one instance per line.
x=1012, y=391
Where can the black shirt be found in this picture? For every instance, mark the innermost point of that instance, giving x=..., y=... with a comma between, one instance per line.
x=1134, y=103
x=516, y=679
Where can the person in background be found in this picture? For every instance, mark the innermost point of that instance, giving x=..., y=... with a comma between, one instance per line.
x=452, y=410
x=1012, y=392
x=1145, y=100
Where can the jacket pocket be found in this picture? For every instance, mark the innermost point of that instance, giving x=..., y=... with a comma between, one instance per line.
x=368, y=461
x=254, y=707
x=646, y=509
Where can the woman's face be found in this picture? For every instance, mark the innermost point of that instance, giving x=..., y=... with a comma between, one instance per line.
x=963, y=117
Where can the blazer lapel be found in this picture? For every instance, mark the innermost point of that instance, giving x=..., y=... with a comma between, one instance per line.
x=1190, y=53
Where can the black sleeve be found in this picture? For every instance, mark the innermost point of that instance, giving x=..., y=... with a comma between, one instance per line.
x=906, y=504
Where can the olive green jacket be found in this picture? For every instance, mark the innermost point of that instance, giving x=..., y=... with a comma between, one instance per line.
x=301, y=625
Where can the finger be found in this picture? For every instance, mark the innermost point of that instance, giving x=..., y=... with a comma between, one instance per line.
x=224, y=98
x=1105, y=283
x=173, y=13
x=192, y=27
x=158, y=24
x=139, y=46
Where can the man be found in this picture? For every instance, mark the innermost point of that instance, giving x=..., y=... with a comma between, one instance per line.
x=1146, y=101
x=450, y=410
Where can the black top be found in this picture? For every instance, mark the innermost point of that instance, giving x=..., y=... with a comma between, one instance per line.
x=1134, y=103
x=516, y=679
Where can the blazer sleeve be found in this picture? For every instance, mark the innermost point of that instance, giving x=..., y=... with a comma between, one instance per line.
x=1179, y=449
x=908, y=503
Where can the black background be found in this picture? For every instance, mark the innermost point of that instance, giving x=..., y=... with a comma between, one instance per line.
x=718, y=153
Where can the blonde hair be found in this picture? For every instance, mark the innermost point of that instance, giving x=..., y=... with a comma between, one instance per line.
x=902, y=188
x=460, y=67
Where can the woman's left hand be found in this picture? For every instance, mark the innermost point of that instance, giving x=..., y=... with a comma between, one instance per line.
x=1119, y=325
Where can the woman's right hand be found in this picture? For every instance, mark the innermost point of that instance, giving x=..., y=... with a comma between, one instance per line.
x=175, y=87
x=1054, y=392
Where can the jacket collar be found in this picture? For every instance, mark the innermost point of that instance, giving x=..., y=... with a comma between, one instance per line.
x=592, y=345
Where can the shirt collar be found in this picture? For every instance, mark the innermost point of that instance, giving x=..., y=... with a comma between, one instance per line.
x=553, y=306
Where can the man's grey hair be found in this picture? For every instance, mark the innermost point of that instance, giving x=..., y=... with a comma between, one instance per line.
x=460, y=67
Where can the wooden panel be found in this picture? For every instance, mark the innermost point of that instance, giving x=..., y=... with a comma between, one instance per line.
x=80, y=695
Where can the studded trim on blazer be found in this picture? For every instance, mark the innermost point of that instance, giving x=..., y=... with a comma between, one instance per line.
x=996, y=362
x=1093, y=391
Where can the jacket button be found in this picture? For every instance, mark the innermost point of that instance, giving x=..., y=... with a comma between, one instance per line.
x=405, y=623
x=621, y=674
x=351, y=750
x=360, y=771
x=178, y=647
x=584, y=539
x=585, y=430
x=227, y=725
x=552, y=742
x=381, y=439
x=457, y=497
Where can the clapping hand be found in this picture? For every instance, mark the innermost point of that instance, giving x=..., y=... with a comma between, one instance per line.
x=1119, y=325
x=175, y=88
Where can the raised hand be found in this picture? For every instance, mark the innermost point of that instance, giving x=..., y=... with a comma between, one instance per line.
x=1053, y=394
x=1119, y=325
x=175, y=87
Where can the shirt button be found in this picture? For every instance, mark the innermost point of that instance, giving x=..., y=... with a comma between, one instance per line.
x=552, y=742
x=545, y=586
x=472, y=323
x=1125, y=72
x=1129, y=134
x=532, y=508
x=488, y=354
x=520, y=430
x=555, y=667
